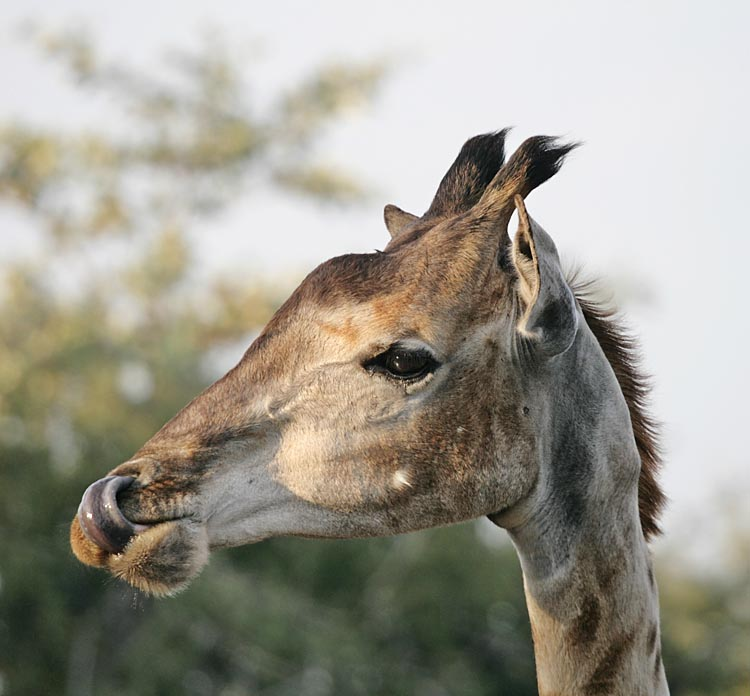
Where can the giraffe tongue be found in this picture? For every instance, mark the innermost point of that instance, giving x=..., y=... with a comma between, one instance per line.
x=100, y=517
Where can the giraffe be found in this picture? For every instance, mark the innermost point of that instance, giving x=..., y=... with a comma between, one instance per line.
x=456, y=374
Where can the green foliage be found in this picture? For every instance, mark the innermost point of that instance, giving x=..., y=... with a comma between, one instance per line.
x=89, y=370
x=706, y=626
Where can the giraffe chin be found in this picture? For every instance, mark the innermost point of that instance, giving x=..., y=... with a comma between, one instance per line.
x=160, y=561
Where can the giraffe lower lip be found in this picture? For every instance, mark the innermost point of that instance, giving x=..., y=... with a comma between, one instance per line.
x=100, y=517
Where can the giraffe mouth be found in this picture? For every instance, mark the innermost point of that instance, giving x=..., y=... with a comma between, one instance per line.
x=100, y=517
x=159, y=557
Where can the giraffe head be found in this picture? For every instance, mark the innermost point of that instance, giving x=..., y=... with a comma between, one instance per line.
x=386, y=395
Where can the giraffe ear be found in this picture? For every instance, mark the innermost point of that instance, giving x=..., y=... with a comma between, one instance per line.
x=550, y=318
x=397, y=220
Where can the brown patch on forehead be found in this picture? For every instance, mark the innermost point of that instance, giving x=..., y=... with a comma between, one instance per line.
x=306, y=318
x=349, y=278
x=346, y=330
x=353, y=277
x=446, y=268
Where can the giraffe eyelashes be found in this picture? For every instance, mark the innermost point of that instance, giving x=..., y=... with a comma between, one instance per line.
x=403, y=363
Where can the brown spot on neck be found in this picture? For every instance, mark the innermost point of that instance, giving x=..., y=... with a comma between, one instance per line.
x=606, y=570
x=586, y=624
x=609, y=667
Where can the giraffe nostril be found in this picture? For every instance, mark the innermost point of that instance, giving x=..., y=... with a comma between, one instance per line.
x=100, y=517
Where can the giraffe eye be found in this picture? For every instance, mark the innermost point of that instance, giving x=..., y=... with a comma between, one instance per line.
x=399, y=362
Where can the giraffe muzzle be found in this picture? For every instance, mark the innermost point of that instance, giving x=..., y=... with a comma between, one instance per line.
x=100, y=517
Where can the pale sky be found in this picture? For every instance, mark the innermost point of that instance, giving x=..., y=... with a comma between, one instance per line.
x=658, y=92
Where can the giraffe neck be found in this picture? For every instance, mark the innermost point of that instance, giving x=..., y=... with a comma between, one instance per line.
x=588, y=578
x=594, y=611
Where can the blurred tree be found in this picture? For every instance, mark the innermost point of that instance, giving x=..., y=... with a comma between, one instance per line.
x=706, y=616
x=90, y=369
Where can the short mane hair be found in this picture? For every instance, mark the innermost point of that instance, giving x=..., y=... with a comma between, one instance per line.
x=623, y=353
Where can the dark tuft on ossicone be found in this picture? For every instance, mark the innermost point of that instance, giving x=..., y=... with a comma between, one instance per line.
x=536, y=160
x=464, y=183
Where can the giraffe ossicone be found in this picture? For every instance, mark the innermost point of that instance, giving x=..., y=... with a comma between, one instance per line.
x=453, y=375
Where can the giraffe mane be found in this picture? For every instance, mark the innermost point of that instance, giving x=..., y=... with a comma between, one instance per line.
x=622, y=351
